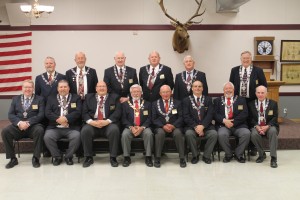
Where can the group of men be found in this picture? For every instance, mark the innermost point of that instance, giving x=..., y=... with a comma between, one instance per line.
x=78, y=107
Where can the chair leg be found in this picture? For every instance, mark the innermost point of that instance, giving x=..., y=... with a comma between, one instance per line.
x=18, y=146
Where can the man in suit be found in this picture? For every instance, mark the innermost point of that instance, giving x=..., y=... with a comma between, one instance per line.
x=167, y=122
x=231, y=114
x=82, y=79
x=46, y=83
x=120, y=77
x=101, y=113
x=136, y=119
x=263, y=120
x=153, y=76
x=25, y=114
x=198, y=113
x=184, y=80
x=63, y=112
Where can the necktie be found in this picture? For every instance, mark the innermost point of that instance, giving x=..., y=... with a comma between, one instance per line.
x=81, y=85
x=100, y=109
x=198, y=104
x=244, y=84
x=230, y=113
x=64, y=101
x=166, y=106
x=121, y=74
x=262, y=121
x=50, y=78
x=188, y=79
x=137, y=118
x=26, y=104
x=65, y=110
x=151, y=80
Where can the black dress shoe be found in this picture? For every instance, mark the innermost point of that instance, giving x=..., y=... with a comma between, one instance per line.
x=69, y=161
x=206, y=160
x=182, y=163
x=57, y=161
x=195, y=160
x=227, y=159
x=273, y=163
x=148, y=161
x=35, y=162
x=88, y=161
x=126, y=162
x=240, y=159
x=114, y=162
x=260, y=159
x=157, y=162
x=13, y=162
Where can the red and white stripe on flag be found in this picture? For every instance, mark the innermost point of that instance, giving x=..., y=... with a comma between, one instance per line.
x=15, y=61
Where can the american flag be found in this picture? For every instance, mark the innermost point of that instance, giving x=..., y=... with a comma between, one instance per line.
x=15, y=61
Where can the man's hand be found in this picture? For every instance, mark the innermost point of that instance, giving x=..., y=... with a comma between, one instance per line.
x=168, y=128
x=62, y=120
x=228, y=123
x=199, y=130
x=262, y=129
x=136, y=130
x=23, y=125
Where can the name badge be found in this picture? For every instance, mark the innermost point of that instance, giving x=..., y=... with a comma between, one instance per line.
x=174, y=111
x=162, y=76
x=270, y=112
x=34, y=107
x=145, y=112
x=240, y=107
x=112, y=107
x=73, y=105
x=256, y=82
x=130, y=80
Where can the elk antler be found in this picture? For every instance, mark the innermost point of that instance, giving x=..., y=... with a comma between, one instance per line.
x=197, y=14
x=161, y=4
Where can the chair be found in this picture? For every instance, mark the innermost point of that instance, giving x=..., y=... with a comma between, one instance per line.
x=22, y=140
x=234, y=142
x=63, y=145
x=265, y=144
x=200, y=147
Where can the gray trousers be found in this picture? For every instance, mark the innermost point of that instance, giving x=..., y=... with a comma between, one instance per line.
x=243, y=134
x=271, y=134
x=53, y=135
x=11, y=132
x=127, y=136
x=160, y=136
x=210, y=135
x=111, y=132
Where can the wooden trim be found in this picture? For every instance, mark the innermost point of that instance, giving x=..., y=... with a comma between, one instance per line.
x=150, y=27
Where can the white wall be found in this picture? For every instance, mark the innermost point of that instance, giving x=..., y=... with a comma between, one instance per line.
x=215, y=52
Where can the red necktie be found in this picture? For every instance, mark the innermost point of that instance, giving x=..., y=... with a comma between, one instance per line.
x=245, y=81
x=150, y=84
x=262, y=119
x=81, y=84
x=50, y=78
x=121, y=74
x=166, y=106
x=137, y=118
x=198, y=104
x=100, y=109
x=230, y=113
x=188, y=79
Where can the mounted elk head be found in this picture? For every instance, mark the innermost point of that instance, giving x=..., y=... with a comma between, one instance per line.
x=181, y=37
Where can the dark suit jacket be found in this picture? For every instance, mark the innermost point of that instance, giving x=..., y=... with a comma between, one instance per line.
x=74, y=112
x=164, y=77
x=128, y=114
x=114, y=86
x=257, y=78
x=112, y=108
x=44, y=90
x=190, y=115
x=271, y=114
x=240, y=113
x=92, y=80
x=158, y=120
x=35, y=113
x=180, y=90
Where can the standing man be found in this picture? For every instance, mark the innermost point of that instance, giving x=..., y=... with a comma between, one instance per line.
x=184, y=80
x=263, y=117
x=231, y=115
x=82, y=79
x=153, y=76
x=46, y=83
x=120, y=77
x=63, y=112
x=198, y=113
x=26, y=113
x=136, y=118
x=101, y=113
x=167, y=121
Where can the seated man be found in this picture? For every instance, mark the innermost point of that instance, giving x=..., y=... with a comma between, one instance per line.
x=197, y=114
x=63, y=112
x=101, y=112
x=26, y=114
x=167, y=121
x=231, y=114
x=136, y=119
x=263, y=120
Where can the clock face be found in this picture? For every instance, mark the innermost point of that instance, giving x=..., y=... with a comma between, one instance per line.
x=264, y=48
